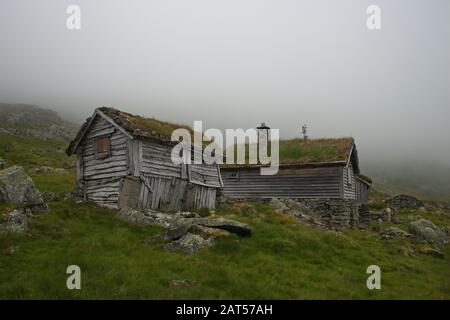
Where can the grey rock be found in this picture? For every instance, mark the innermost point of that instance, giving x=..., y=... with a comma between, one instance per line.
x=18, y=188
x=394, y=232
x=446, y=230
x=16, y=222
x=48, y=170
x=49, y=196
x=189, y=243
x=40, y=208
x=220, y=223
x=142, y=218
x=175, y=233
x=278, y=205
x=206, y=232
x=426, y=230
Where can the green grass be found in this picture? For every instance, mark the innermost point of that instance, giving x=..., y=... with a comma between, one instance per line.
x=281, y=260
x=299, y=151
x=32, y=152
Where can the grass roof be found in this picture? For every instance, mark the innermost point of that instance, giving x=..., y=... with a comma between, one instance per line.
x=312, y=151
x=144, y=127
x=300, y=152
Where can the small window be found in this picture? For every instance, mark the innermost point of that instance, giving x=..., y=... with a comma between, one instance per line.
x=234, y=175
x=102, y=147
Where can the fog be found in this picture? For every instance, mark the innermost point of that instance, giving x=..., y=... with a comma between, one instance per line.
x=237, y=63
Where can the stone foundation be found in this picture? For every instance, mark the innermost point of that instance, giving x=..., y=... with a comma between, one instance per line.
x=335, y=212
x=365, y=216
x=332, y=212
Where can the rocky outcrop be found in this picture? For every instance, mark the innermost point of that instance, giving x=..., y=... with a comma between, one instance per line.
x=223, y=224
x=426, y=230
x=15, y=222
x=186, y=231
x=18, y=188
x=189, y=243
x=394, y=232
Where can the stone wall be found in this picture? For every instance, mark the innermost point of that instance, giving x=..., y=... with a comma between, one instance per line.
x=335, y=212
x=329, y=211
x=364, y=214
x=404, y=202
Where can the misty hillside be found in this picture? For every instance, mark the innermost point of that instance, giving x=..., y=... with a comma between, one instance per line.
x=424, y=180
x=33, y=121
x=429, y=181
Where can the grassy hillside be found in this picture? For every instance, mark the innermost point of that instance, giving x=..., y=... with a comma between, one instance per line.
x=281, y=260
x=32, y=152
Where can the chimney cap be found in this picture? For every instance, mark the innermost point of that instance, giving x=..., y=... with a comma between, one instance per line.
x=263, y=126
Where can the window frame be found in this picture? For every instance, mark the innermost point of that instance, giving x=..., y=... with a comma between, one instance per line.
x=106, y=154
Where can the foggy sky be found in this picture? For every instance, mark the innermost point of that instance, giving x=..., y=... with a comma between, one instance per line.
x=237, y=63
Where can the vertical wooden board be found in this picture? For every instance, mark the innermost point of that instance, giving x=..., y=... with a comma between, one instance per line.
x=129, y=193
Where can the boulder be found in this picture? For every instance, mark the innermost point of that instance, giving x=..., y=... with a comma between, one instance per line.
x=204, y=227
x=16, y=222
x=278, y=205
x=426, y=230
x=394, y=232
x=189, y=243
x=176, y=232
x=18, y=188
x=220, y=223
x=206, y=232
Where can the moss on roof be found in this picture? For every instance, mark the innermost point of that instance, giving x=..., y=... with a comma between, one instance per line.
x=298, y=151
x=136, y=126
x=144, y=127
x=301, y=152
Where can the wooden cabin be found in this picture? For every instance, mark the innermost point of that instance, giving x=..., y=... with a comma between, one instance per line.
x=124, y=161
x=323, y=173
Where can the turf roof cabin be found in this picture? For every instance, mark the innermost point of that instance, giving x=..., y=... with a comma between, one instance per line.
x=124, y=161
x=323, y=174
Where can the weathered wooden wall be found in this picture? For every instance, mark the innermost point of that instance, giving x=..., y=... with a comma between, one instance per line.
x=290, y=183
x=163, y=183
x=102, y=176
x=362, y=190
x=166, y=186
x=156, y=161
x=349, y=182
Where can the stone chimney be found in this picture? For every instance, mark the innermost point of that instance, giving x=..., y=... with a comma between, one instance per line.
x=263, y=134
